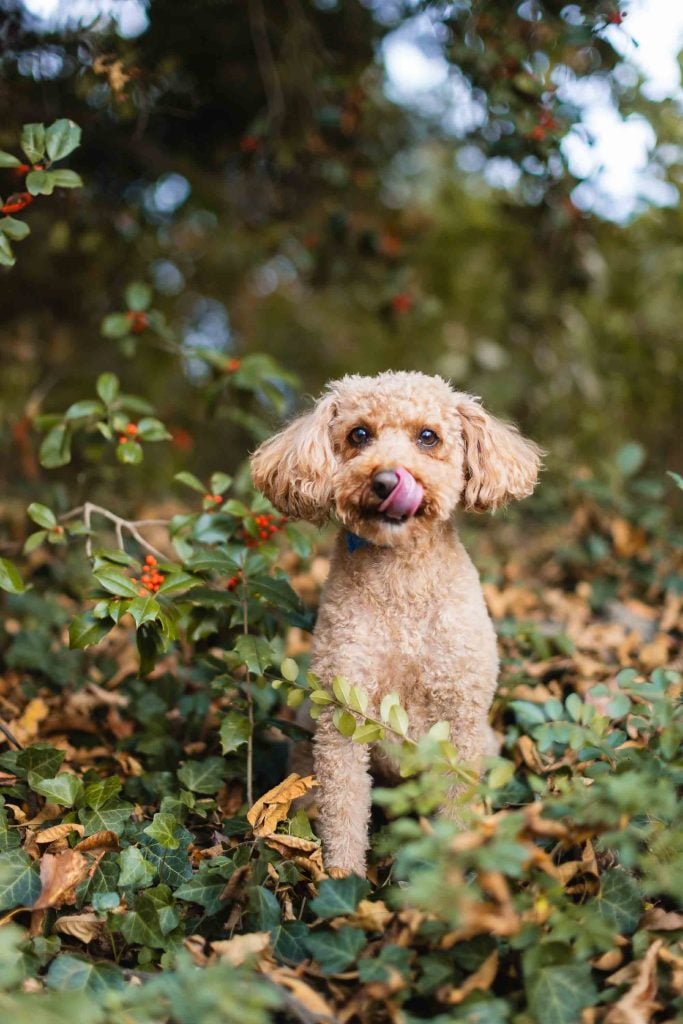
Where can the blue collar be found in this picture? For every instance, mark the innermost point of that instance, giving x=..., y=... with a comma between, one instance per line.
x=354, y=542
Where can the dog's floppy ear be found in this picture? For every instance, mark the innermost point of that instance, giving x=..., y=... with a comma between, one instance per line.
x=294, y=469
x=500, y=464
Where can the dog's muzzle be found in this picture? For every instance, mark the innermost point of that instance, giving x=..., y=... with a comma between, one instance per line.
x=401, y=493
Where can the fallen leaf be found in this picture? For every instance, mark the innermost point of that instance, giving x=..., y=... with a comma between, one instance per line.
x=84, y=927
x=104, y=840
x=60, y=873
x=274, y=805
x=657, y=920
x=35, y=712
x=49, y=835
x=305, y=996
x=482, y=979
x=241, y=947
x=371, y=916
x=638, y=1004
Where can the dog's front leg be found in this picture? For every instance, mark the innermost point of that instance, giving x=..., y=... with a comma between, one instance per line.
x=342, y=770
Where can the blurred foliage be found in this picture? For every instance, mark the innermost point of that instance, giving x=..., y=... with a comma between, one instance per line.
x=247, y=164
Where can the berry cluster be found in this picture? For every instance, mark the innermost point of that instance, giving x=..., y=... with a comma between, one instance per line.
x=151, y=578
x=139, y=322
x=17, y=202
x=232, y=365
x=131, y=432
x=234, y=581
x=212, y=499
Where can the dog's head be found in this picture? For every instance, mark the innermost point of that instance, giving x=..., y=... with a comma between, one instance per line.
x=389, y=455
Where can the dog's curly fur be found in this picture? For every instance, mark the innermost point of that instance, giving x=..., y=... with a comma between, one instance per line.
x=404, y=613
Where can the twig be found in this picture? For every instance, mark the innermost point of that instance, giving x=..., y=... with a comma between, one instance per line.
x=250, y=701
x=89, y=509
x=8, y=735
x=266, y=64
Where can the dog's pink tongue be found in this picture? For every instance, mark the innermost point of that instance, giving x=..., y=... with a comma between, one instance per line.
x=406, y=497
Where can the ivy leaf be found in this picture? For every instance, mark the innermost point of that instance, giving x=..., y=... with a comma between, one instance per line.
x=619, y=901
x=339, y=896
x=102, y=794
x=19, y=880
x=335, y=950
x=10, y=580
x=40, y=761
x=234, y=731
x=136, y=871
x=289, y=941
x=65, y=789
x=558, y=994
x=265, y=908
x=67, y=972
x=205, y=776
x=162, y=829
x=62, y=138
x=106, y=819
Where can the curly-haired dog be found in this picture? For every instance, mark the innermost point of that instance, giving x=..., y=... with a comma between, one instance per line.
x=392, y=457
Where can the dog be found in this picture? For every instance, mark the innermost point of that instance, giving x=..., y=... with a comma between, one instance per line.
x=391, y=458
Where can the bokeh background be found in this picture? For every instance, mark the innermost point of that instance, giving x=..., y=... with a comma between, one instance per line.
x=489, y=191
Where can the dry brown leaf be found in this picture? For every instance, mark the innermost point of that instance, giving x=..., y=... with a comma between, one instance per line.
x=609, y=961
x=530, y=754
x=655, y=654
x=84, y=927
x=657, y=920
x=274, y=805
x=49, y=835
x=104, y=840
x=35, y=712
x=371, y=916
x=482, y=978
x=242, y=947
x=195, y=944
x=306, y=996
x=638, y=1004
x=60, y=873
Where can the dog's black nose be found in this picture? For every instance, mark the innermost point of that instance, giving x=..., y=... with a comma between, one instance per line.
x=384, y=482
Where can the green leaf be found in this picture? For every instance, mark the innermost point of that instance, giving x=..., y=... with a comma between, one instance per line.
x=162, y=829
x=85, y=630
x=557, y=995
x=256, y=653
x=55, y=450
x=289, y=670
x=344, y=721
x=177, y=582
x=63, y=178
x=341, y=689
x=339, y=896
x=6, y=257
x=130, y=453
x=136, y=871
x=358, y=699
x=108, y=819
x=14, y=229
x=65, y=789
x=205, y=776
x=107, y=387
x=138, y=296
x=42, y=515
x=220, y=482
x=265, y=907
x=235, y=730
x=144, y=609
x=81, y=410
x=62, y=138
x=630, y=458
x=40, y=761
x=101, y=794
x=33, y=141
x=398, y=719
x=34, y=540
x=19, y=880
x=10, y=580
x=116, y=325
x=676, y=477
x=117, y=583
x=40, y=183
x=336, y=950
x=368, y=733
x=7, y=160
x=204, y=889
x=151, y=429
x=190, y=480
x=619, y=901
x=150, y=920
x=68, y=973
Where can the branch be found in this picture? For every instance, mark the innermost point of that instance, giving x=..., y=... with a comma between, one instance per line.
x=266, y=63
x=130, y=525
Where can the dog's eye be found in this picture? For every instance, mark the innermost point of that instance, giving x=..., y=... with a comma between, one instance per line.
x=359, y=436
x=427, y=438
